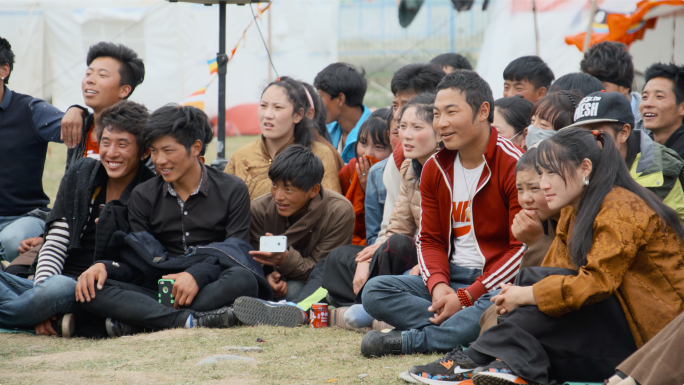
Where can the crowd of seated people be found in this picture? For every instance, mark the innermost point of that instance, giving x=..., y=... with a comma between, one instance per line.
x=532, y=239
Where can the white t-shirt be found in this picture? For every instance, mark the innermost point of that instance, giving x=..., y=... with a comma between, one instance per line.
x=465, y=252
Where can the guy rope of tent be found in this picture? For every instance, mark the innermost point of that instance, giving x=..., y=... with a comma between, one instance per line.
x=623, y=28
x=213, y=66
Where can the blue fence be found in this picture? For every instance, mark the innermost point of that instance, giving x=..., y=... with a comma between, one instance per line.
x=370, y=28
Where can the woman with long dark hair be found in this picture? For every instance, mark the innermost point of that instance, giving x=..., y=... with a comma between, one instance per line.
x=283, y=121
x=613, y=278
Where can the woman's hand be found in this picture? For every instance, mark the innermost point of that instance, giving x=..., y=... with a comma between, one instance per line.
x=527, y=227
x=512, y=297
x=362, y=169
x=360, y=276
x=366, y=254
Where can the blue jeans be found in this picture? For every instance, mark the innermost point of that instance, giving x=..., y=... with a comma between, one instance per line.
x=23, y=305
x=402, y=301
x=13, y=230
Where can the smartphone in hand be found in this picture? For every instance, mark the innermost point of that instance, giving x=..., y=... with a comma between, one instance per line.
x=273, y=244
x=166, y=292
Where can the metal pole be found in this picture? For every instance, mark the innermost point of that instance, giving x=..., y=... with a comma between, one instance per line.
x=222, y=62
x=536, y=27
x=590, y=27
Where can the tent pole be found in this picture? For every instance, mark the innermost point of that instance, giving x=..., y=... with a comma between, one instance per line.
x=536, y=26
x=590, y=27
x=222, y=62
x=270, y=73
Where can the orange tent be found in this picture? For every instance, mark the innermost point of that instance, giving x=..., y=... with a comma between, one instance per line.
x=240, y=120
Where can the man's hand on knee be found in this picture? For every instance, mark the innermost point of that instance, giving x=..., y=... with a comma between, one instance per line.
x=85, y=288
x=278, y=284
x=28, y=244
x=45, y=328
x=360, y=276
x=184, y=288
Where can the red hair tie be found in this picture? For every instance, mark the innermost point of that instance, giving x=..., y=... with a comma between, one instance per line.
x=278, y=79
x=598, y=135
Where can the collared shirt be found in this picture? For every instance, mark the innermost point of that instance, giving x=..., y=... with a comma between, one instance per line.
x=217, y=210
x=336, y=136
x=182, y=205
x=46, y=118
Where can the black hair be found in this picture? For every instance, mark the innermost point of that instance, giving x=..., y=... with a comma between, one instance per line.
x=527, y=161
x=319, y=112
x=382, y=113
x=609, y=61
x=303, y=131
x=558, y=108
x=6, y=56
x=125, y=116
x=297, y=165
x=343, y=78
x=476, y=90
x=530, y=68
x=185, y=124
x=516, y=110
x=418, y=78
x=564, y=152
x=455, y=60
x=318, y=122
x=132, y=69
x=374, y=129
x=668, y=71
x=580, y=82
x=425, y=107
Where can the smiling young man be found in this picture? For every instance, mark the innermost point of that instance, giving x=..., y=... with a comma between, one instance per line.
x=114, y=71
x=342, y=89
x=90, y=207
x=662, y=105
x=528, y=76
x=171, y=216
x=314, y=220
x=465, y=252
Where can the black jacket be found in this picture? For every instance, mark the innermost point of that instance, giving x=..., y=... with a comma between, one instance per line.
x=74, y=154
x=676, y=141
x=140, y=259
x=74, y=197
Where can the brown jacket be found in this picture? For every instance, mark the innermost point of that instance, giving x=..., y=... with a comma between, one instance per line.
x=251, y=162
x=406, y=214
x=338, y=158
x=632, y=257
x=327, y=224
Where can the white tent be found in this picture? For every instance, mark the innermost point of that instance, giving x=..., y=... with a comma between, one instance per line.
x=511, y=35
x=50, y=39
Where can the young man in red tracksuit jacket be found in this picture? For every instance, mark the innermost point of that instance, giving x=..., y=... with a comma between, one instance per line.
x=465, y=246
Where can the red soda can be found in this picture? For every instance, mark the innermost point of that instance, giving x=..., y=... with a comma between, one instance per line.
x=319, y=315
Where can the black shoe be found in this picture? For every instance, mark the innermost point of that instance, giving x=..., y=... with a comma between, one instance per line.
x=254, y=311
x=119, y=329
x=376, y=343
x=64, y=325
x=454, y=367
x=218, y=319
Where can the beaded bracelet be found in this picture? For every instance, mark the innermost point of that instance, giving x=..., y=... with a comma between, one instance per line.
x=463, y=297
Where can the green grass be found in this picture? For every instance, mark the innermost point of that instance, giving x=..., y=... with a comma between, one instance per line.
x=56, y=159
x=290, y=356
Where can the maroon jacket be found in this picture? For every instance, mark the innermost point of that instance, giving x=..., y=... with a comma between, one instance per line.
x=495, y=204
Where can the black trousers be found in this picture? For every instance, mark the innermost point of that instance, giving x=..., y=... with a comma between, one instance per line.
x=139, y=306
x=394, y=256
x=583, y=345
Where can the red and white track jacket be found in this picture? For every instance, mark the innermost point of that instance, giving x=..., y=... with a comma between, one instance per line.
x=494, y=206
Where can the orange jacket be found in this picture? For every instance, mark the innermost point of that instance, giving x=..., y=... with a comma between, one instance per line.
x=356, y=195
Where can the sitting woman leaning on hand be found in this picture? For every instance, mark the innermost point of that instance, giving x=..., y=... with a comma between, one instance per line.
x=283, y=121
x=613, y=278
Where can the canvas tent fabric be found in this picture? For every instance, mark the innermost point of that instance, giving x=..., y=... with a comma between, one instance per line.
x=51, y=37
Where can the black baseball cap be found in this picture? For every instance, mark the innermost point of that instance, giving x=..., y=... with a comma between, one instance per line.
x=602, y=106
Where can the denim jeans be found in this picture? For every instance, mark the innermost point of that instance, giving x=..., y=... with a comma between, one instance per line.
x=23, y=305
x=402, y=301
x=13, y=230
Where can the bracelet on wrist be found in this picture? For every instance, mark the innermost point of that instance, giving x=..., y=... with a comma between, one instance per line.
x=463, y=297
